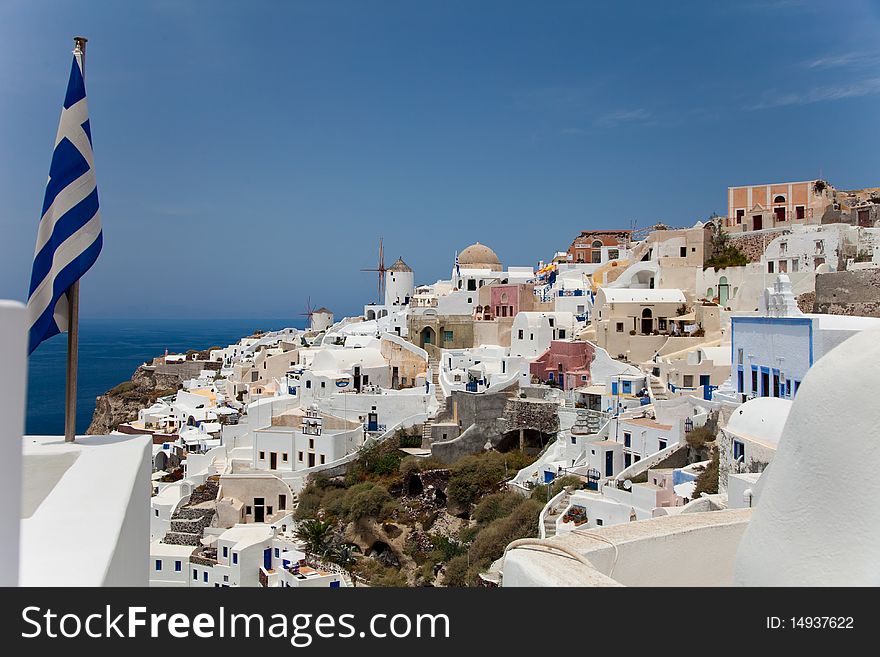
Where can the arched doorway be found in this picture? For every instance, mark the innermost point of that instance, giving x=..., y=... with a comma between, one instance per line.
x=723, y=291
x=371, y=315
x=427, y=336
x=647, y=321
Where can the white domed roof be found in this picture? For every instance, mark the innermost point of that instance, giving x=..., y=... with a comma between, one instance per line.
x=479, y=256
x=816, y=522
x=761, y=419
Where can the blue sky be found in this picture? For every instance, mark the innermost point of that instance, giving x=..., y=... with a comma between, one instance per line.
x=250, y=154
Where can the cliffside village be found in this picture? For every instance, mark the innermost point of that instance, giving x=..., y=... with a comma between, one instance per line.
x=630, y=362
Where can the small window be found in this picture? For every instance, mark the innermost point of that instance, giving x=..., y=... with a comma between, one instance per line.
x=599, y=522
x=620, y=327
x=770, y=266
x=574, y=440
x=308, y=383
x=322, y=459
x=195, y=574
x=662, y=445
x=323, y=384
x=282, y=502
x=682, y=252
x=235, y=557
x=205, y=577
x=447, y=336
x=262, y=456
x=311, y=443
x=247, y=512
x=226, y=547
x=158, y=564
x=520, y=334
x=300, y=457
x=284, y=456
x=178, y=566
x=277, y=553
x=627, y=439
x=739, y=450
x=562, y=334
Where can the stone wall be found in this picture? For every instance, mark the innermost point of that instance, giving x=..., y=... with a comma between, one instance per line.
x=753, y=245
x=538, y=415
x=848, y=293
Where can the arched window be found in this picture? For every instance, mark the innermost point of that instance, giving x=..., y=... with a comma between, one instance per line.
x=597, y=244
x=779, y=199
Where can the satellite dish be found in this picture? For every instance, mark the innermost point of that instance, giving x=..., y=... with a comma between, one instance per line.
x=627, y=484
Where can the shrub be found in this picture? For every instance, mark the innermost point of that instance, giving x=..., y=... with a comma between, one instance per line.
x=408, y=466
x=496, y=505
x=699, y=436
x=489, y=544
x=446, y=548
x=457, y=572
x=365, y=500
x=474, y=476
x=122, y=388
x=707, y=482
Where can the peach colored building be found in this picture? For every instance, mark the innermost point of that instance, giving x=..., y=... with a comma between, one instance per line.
x=757, y=207
x=587, y=247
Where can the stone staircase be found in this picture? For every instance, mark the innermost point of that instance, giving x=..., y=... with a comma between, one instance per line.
x=658, y=391
x=434, y=364
x=551, y=517
x=189, y=521
x=187, y=525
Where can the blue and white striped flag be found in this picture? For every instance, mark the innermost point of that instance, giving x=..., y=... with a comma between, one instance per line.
x=457, y=268
x=69, y=238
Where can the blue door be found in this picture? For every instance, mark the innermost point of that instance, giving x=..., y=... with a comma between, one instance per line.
x=609, y=464
x=267, y=558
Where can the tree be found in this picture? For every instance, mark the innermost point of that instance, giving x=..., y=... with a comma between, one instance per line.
x=343, y=555
x=315, y=536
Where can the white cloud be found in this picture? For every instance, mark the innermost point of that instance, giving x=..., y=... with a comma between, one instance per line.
x=828, y=93
x=615, y=118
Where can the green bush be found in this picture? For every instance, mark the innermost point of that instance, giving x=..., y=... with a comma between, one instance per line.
x=489, y=544
x=446, y=549
x=474, y=476
x=367, y=500
x=707, y=482
x=122, y=388
x=457, y=572
x=496, y=505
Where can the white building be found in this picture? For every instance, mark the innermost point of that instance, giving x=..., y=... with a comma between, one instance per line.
x=772, y=352
x=532, y=332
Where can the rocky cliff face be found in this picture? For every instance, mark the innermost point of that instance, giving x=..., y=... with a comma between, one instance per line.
x=122, y=403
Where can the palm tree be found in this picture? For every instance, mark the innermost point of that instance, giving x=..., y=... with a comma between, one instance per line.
x=343, y=556
x=315, y=536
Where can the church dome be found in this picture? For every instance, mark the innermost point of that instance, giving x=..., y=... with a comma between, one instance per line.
x=479, y=256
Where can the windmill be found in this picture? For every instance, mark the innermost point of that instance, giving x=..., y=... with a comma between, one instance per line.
x=310, y=310
x=381, y=270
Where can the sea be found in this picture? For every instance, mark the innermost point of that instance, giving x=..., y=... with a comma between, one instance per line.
x=109, y=352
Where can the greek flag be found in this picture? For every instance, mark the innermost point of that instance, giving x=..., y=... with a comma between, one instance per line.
x=69, y=238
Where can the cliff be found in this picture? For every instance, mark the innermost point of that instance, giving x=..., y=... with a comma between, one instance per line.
x=122, y=403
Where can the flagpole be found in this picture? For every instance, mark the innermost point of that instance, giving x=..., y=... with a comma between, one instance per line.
x=73, y=310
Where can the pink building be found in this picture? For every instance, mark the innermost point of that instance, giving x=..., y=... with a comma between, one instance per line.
x=566, y=363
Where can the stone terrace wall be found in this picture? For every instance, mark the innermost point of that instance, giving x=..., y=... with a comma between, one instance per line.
x=849, y=293
x=753, y=245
